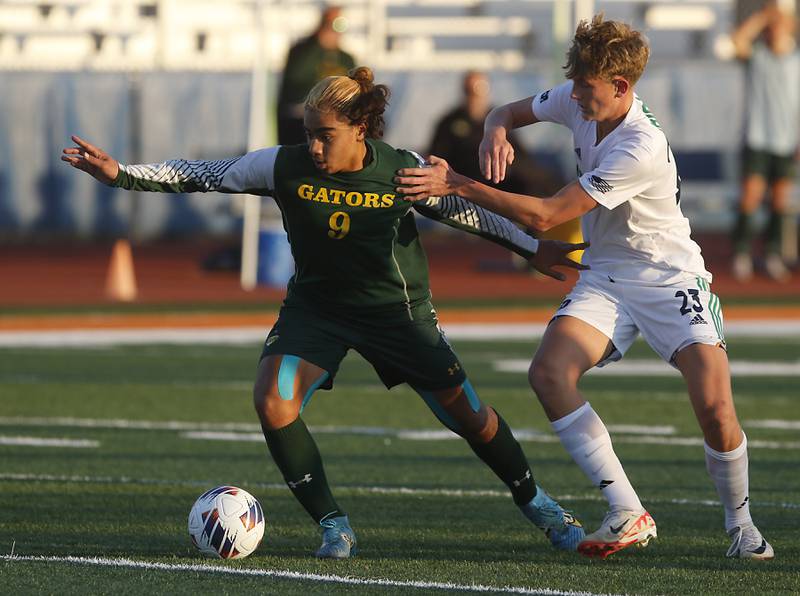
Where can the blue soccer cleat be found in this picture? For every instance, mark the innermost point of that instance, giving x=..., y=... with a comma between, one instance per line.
x=561, y=528
x=338, y=539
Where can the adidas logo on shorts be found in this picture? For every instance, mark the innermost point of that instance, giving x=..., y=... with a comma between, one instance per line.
x=697, y=320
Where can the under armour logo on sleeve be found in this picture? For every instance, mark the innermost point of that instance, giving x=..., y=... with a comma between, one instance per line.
x=304, y=480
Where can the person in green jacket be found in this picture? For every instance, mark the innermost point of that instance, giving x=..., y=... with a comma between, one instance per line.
x=310, y=60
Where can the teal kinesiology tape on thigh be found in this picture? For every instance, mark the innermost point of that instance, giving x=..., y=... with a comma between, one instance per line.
x=438, y=410
x=286, y=375
x=472, y=397
x=322, y=378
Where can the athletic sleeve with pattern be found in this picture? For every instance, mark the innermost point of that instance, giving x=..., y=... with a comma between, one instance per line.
x=621, y=175
x=459, y=213
x=556, y=105
x=252, y=173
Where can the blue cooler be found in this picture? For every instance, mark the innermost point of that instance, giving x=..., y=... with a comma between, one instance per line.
x=275, y=262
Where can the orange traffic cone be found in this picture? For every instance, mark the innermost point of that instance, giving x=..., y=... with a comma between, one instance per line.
x=121, y=280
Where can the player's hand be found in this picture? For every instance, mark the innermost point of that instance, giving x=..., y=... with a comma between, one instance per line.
x=552, y=253
x=436, y=180
x=92, y=160
x=495, y=153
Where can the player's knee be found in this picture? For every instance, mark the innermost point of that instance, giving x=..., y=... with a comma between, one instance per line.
x=545, y=378
x=460, y=409
x=273, y=412
x=488, y=427
x=478, y=427
x=715, y=416
x=708, y=419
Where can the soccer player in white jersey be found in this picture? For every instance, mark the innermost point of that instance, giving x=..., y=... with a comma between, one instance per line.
x=646, y=275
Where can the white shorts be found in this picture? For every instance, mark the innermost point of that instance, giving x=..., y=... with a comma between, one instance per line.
x=668, y=317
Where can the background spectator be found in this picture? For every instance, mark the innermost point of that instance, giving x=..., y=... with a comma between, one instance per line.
x=771, y=132
x=310, y=60
x=458, y=134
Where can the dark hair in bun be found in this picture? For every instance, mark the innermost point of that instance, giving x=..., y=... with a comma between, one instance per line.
x=355, y=96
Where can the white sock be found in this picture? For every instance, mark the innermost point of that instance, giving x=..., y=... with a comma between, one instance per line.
x=586, y=439
x=729, y=472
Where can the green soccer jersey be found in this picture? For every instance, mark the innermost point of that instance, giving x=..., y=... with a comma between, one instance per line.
x=354, y=240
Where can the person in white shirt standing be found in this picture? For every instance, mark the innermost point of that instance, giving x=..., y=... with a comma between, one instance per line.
x=646, y=275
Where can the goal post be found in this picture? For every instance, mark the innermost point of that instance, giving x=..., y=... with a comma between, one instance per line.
x=261, y=133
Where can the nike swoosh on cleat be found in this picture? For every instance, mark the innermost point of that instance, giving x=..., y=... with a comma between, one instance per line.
x=760, y=550
x=618, y=529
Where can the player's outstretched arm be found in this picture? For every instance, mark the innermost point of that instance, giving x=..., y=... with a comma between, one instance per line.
x=542, y=255
x=457, y=212
x=253, y=173
x=495, y=152
x=92, y=160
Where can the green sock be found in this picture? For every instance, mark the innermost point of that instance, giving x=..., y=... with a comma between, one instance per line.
x=504, y=456
x=743, y=233
x=297, y=457
x=774, y=232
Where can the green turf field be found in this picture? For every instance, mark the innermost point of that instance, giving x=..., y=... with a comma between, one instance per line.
x=426, y=511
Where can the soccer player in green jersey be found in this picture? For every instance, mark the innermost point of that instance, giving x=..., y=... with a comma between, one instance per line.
x=361, y=282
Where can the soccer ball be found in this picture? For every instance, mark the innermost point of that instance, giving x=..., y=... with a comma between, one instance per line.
x=226, y=523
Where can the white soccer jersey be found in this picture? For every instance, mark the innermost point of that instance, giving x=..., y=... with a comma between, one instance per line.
x=637, y=233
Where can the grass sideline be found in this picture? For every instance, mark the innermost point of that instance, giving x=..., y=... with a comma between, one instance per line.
x=129, y=498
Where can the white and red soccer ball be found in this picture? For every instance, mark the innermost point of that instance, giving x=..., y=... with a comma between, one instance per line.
x=226, y=522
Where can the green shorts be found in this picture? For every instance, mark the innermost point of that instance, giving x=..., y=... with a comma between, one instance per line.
x=399, y=349
x=769, y=166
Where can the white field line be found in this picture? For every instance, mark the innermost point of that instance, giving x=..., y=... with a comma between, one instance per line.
x=248, y=335
x=293, y=575
x=521, y=435
x=43, y=442
x=641, y=429
x=774, y=424
x=242, y=386
x=659, y=368
x=525, y=331
x=125, y=423
x=244, y=432
x=353, y=490
x=122, y=423
x=131, y=337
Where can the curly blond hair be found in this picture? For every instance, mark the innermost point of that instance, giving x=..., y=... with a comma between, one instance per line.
x=605, y=49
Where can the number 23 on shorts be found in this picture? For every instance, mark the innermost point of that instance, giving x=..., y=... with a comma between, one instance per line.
x=694, y=296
